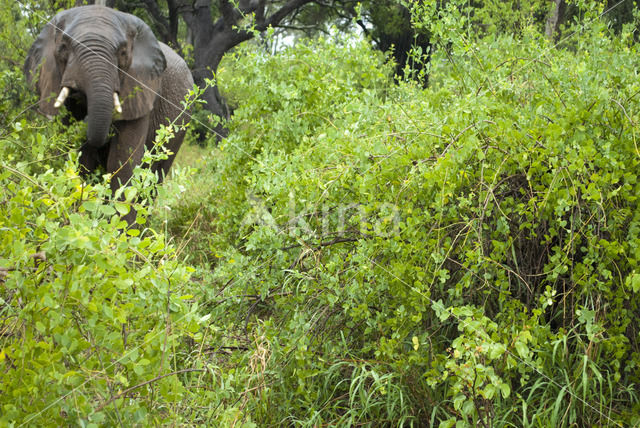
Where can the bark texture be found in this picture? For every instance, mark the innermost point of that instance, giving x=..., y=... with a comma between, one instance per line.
x=555, y=19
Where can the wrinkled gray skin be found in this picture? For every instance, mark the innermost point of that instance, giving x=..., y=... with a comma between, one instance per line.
x=96, y=51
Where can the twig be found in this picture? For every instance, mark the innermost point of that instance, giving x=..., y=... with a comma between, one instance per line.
x=140, y=385
x=334, y=241
x=26, y=177
x=10, y=61
x=624, y=111
x=4, y=271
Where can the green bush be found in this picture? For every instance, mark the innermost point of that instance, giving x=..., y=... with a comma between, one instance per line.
x=465, y=255
x=94, y=317
x=370, y=254
x=97, y=321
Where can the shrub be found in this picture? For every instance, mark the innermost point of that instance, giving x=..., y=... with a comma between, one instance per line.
x=397, y=255
x=96, y=320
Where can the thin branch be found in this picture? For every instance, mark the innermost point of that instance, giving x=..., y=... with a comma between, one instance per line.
x=282, y=13
x=303, y=29
x=10, y=61
x=40, y=256
x=334, y=241
x=624, y=111
x=140, y=385
x=26, y=177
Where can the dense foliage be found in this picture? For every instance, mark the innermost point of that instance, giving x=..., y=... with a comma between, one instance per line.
x=466, y=253
x=94, y=318
x=364, y=252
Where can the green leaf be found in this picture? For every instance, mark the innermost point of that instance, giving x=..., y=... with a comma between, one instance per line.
x=442, y=313
x=505, y=389
x=468, y=408
x=447, y=423
x=522, y=349
x=108, y=210
x=130, y=194
x=40, y=327
x=122, y=208
x=496, y=350
x=633, y=282
x=458, y=401
x=489, y=391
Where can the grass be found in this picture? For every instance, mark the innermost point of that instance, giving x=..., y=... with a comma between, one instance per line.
x=182, y=203
x=192, y=155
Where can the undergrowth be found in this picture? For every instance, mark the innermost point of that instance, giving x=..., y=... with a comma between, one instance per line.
x=461, y=255
x=356, y=253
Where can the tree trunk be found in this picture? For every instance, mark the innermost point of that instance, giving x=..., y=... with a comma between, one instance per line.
x=555, y=19
x=215, y=103
x=210, y=42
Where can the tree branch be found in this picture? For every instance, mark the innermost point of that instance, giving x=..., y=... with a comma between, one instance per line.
x=140, y=385
x=260, y=11
x=229, y=12
x=154, y=10
x=40, y=256
x=319, y=245
x=304, y=29
x=282, y=13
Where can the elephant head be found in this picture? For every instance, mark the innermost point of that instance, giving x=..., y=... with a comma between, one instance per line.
x=90, y=58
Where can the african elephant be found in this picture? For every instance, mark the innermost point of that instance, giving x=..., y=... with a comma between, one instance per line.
x=107, y=66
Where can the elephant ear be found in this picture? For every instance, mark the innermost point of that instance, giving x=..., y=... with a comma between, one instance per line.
x=41, y=68
x=140, y=82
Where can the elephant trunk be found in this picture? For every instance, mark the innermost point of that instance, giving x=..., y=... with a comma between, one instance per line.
x=99, y=110
x=100, y=99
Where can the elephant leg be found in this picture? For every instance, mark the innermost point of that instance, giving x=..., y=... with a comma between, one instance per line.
x=125, y=153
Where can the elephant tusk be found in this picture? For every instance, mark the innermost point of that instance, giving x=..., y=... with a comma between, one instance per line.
x=64, y=93
x=116, y=102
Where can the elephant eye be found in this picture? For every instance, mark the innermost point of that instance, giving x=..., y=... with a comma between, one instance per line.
x=62, y=51
x=123, y=56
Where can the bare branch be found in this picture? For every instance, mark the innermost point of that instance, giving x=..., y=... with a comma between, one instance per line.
x=140, y=385
x=305, y=29
x=260, y=11
x=154, y=10
x=282, y=13
x=228, y=11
